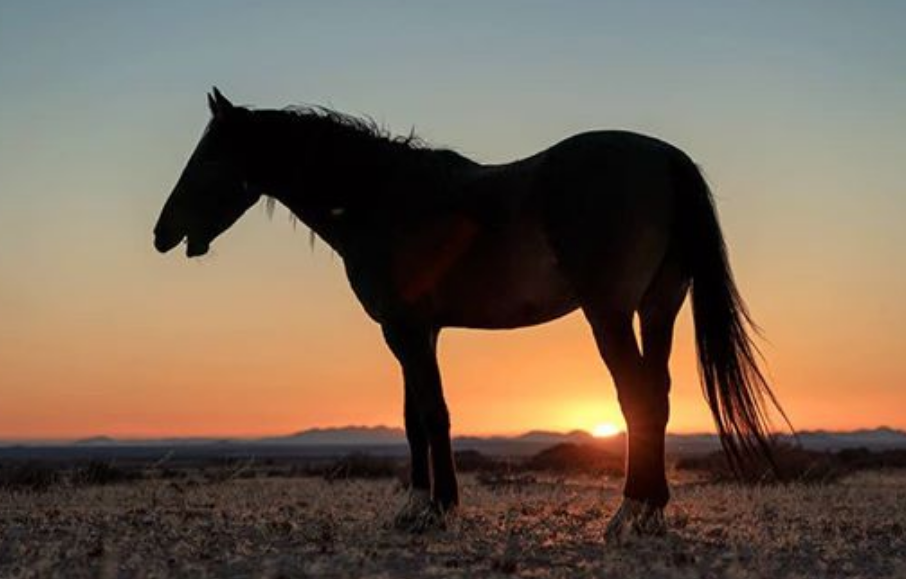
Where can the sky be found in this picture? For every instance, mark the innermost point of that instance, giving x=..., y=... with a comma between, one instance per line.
x=795, y=110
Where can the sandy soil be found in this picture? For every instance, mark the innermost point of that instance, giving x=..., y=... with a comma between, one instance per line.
x=311, y=528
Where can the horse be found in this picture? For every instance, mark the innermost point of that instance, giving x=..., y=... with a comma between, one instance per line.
x=614, y=223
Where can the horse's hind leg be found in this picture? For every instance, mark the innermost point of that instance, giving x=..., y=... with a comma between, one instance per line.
x=427, y=428
x=643, y=386
x=645, y=408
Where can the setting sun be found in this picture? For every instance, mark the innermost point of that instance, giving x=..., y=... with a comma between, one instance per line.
x=605, y=429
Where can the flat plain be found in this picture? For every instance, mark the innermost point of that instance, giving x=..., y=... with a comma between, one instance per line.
x=524, y=527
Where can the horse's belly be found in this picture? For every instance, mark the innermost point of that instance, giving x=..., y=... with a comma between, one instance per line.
x=507, y=279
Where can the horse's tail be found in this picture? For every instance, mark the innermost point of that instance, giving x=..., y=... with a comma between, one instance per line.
x=734, y=386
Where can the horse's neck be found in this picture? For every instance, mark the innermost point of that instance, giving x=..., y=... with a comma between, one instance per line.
x=360, y=188
x=325, y=219
x=328, y=200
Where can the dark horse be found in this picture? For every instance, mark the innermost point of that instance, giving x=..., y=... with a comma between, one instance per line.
x=611, y=222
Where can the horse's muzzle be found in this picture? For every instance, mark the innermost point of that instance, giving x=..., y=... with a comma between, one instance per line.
x=164, y=240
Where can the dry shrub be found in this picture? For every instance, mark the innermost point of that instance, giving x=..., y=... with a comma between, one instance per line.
x=793, y=464
x=360, y=465
x=365, y=466
x=474, y=461
x=864, y=459
x=505, y=479
x=37, y=476
x=571, y=458
x=99, y=473
x=28, y=476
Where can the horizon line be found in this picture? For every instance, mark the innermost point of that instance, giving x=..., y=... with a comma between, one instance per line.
x=260, y=437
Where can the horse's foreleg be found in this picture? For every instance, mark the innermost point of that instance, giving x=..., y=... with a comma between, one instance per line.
x=427, y=427
x=644, y=404
x=419, y=499
x=417, y=436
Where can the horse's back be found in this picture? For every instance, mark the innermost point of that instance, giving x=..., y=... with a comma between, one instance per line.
x=593, y=158
x=586, y=168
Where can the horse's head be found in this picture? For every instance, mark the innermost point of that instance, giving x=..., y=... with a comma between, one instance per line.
x=213, y=190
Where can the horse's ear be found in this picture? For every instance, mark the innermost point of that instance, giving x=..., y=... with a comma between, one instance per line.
x=218, y=103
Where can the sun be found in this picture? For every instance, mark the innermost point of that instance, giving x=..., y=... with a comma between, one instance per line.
x=605, y=430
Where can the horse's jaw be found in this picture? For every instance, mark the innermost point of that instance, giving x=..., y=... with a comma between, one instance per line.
x=197, y=247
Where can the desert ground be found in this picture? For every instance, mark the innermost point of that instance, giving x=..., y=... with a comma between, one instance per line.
x=517, y=527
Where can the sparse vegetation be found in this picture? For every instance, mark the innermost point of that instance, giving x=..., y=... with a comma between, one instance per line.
x=795, y=464
x=541, y=516
x=545, y=526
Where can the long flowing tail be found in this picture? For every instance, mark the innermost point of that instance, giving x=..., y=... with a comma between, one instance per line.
x=734, y=386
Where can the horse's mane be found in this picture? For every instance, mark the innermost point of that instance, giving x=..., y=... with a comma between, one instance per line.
x=338, y=127
x=361, y=126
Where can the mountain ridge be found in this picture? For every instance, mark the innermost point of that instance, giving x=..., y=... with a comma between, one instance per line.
x=382, y=435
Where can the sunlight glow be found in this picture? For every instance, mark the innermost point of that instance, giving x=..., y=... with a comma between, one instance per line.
x=604, y=430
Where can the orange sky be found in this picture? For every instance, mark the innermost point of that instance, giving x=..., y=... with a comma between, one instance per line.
x=801, y=138
x=238, y=344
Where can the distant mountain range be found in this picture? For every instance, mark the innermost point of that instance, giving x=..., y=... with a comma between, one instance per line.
x=388, y=438
x=381, y=435
x=875, y=438
x=349, y=435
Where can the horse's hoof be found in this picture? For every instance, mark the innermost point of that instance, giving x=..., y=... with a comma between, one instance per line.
x=635, y=518
x=420, y=514
x=431, y=518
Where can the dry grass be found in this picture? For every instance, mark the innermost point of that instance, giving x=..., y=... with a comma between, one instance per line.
x=544, y=527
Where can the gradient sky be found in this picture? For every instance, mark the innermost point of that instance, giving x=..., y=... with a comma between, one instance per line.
x=796, y=111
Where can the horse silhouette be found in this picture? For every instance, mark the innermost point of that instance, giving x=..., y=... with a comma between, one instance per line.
x=612, y=222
